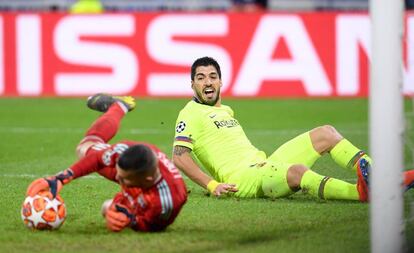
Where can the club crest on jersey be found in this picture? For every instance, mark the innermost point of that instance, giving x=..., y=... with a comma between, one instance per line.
x=180, y=127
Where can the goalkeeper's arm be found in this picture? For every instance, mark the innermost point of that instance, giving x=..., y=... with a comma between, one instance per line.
x=86, y=165
x=183, y=160
x=53, y=183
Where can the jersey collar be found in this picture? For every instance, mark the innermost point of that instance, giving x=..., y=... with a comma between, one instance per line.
x=197, y=101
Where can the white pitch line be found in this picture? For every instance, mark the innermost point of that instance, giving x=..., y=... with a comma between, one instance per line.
x=38, y=176
x=151, y=131
x=51, y=130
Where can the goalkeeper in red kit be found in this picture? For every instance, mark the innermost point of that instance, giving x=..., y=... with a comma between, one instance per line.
x=152, y=189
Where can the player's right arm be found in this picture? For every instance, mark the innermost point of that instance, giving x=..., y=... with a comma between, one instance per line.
x=94, y=161
x=52, y=183
x=183, y=160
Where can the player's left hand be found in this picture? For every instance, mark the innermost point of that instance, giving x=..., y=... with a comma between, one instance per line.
x=224, y=189
x=116, y=218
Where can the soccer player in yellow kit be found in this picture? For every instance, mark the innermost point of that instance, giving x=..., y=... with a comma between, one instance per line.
x=207, y=133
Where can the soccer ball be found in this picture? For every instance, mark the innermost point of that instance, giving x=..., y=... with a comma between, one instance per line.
x=42, y=213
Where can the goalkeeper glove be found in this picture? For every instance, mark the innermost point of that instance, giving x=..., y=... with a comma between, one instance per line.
x=118, y=217
x=53, y=184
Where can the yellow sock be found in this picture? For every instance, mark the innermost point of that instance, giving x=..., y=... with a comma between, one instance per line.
x=346, y=155
x=328, y=188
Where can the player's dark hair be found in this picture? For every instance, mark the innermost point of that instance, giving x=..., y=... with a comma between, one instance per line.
x=205, y=61
x=138, y=158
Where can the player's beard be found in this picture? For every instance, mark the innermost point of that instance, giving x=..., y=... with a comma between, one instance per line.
x=208, y=101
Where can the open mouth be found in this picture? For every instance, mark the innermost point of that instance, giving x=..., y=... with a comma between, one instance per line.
x=209, y=92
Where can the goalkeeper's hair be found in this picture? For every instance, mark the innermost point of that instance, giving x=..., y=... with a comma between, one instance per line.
x=138, y=158
x=205, y=61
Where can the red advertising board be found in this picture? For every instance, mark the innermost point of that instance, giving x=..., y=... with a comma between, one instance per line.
x=150, y=54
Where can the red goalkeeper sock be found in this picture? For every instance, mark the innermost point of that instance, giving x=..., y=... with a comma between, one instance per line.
x=106, y=126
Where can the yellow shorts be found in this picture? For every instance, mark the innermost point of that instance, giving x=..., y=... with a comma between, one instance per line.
x=269, y=178
x=298, y=150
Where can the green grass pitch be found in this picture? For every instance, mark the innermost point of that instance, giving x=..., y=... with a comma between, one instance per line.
x=39, y=135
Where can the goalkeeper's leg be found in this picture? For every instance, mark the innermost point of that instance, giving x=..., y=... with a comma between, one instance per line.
x=103, y=129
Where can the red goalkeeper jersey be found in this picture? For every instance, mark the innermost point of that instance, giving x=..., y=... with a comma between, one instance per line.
x=154, y=208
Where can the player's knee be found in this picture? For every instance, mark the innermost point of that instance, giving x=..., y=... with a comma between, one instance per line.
x=294, y=176
x=85, y=144
x=324, y=138
x=331, y=134
x=80, y=151
x=82, y=148
x=105, y=206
